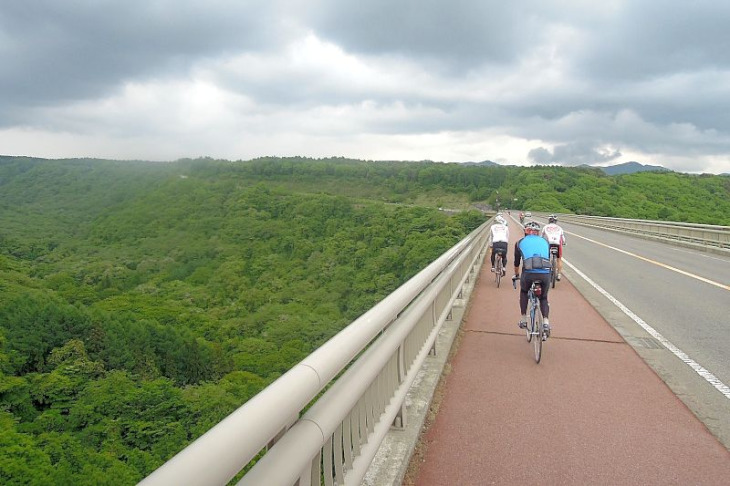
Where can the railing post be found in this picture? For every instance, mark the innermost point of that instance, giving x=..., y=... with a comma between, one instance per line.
x=434, y=317
x=400, y=417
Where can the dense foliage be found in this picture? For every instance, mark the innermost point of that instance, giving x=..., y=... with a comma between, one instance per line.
x=143, y=302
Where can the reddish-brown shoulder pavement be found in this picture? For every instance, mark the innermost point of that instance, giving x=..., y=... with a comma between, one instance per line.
x=592, y=412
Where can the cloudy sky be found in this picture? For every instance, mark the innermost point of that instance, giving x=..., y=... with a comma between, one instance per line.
x=517, y=82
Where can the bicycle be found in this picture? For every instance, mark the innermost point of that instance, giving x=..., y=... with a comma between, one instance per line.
x=553, y=266
x=498, y=265
x=534, y=331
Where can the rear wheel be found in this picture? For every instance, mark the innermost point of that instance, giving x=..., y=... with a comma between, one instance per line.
x=553, y=269
x=537, y=338
x=529, y=329
x=498, y=269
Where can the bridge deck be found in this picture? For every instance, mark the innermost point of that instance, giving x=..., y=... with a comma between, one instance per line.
x=606, y=417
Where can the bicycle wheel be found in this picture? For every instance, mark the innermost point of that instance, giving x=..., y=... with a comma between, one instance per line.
x=553, y=269
x=498, y=269
x=537, y=338
x=530, y=325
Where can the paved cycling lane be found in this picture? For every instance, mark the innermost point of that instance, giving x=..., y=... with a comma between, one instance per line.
x=592, y=412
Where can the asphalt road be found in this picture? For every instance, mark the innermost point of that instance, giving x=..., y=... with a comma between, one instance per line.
x=692, y=314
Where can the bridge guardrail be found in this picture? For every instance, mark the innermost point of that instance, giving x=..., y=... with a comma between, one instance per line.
x=703, y=237
x=367, y=369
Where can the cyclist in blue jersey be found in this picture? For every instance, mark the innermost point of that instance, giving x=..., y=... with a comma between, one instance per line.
x=534, y=252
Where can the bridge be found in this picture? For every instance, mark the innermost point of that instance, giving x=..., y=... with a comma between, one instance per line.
x=632, y=387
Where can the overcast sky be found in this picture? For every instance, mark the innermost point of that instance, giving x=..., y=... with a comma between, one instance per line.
x=513, y=81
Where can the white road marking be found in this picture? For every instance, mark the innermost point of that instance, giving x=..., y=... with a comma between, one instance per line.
x=668, y=267
x=709, y=377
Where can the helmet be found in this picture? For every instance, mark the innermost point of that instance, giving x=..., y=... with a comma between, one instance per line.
x=532, y=227
x=500, y=220
x=552, y=218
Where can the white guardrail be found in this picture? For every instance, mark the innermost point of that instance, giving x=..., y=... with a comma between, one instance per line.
x=367, y=368
x=703, y=237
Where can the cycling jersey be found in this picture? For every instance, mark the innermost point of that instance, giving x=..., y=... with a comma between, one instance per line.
x=499, y=233
x=532, y=246
x=553, y=234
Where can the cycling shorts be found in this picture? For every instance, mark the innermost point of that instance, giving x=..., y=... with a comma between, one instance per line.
x=500, y=247
x=560, y=249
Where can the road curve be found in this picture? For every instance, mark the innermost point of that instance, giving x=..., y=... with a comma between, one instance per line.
x=592, y=412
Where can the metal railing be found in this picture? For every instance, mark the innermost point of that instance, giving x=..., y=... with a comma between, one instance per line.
x=699, y=236
x=367, y=369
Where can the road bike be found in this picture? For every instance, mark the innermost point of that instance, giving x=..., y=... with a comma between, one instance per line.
x=553, y=265
x=535, y=332
x=498, y=265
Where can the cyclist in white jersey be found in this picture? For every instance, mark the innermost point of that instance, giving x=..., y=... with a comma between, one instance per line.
x=555, y=237
x=499, y=241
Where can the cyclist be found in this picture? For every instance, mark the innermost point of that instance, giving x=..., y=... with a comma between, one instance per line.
x=498, y=241
x=534, y=253
x=555, y=237
x=522, y=217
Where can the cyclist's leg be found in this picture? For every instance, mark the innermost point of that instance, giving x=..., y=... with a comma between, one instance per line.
x=544, y=303
x=524, y=287
x=504, y=246
x=491, y=254
x=501, y=248
x=544, y=279
x=525, y=282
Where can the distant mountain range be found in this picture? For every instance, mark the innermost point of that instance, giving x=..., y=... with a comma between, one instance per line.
x=631, y=167
x=487, y=163
x=625, y=168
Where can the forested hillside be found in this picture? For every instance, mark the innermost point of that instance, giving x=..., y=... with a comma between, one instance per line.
x=143, y=302
x=668, y=196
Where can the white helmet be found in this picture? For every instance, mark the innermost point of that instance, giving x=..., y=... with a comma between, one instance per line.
x=500, y=220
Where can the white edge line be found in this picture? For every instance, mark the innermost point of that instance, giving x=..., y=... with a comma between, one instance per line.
x=709, y=377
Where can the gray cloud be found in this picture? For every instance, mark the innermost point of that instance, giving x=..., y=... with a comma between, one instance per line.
x=573, y=154
x=646, y=40
x=60, y=51
x=544, y=81
x=458, y=33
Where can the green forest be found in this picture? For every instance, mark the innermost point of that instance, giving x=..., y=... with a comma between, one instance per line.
x=142, y=302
